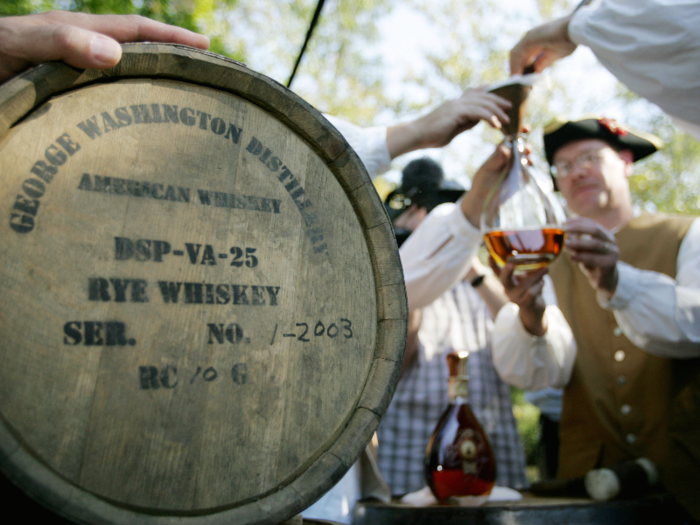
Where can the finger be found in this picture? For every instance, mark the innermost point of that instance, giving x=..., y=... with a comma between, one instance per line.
x=495, y=99
x=500, y=156
x=533, y=292
x=74, y=45
x=543, y=61
x=578, y=226
x=506, y=276
x=130, y=28
x=528, y=279
x=494, y=267
x=521, y=56
x=591, y=244
x=483, y=109
x=594, y=260
x=494, y=116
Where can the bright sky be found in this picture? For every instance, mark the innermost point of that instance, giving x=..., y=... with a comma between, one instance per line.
x=408, y=36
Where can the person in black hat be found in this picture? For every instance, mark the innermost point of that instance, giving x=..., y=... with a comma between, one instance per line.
x=458, y=319
x=423, y=187
x=624, y=339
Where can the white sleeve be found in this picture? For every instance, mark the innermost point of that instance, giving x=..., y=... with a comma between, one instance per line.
x=369, y=144
x=659, y=314
x=652, y=46
x=437, y=254
x=530, y=362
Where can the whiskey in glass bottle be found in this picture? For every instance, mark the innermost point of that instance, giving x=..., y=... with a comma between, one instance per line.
x=526, y=249
x=459, y=460
x=521, y=219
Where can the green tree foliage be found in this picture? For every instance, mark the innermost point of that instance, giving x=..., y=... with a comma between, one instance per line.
x=24, y=7
x=669, y=180
x=527, y=417
x=338, y=73
x=343, y=72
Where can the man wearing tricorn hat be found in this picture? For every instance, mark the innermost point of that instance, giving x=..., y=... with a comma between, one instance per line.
x=624, y=339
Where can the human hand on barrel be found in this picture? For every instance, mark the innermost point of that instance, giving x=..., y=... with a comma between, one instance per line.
x=79, y=39
x=449, y=119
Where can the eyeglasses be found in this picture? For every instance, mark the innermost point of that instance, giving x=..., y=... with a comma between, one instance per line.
x=563, y=168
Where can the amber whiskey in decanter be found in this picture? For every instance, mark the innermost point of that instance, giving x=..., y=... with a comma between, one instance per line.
x=521, y=219
x=459, y=460
x=526, y=249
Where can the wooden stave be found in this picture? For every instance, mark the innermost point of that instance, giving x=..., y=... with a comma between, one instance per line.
x=21, y=95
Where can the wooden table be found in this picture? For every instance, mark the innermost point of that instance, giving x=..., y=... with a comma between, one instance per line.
x=657, y=510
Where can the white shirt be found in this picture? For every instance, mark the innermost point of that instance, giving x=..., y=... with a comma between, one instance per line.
x=652, y=46
x=437, y=255
x=369, y=144
x=658, y=314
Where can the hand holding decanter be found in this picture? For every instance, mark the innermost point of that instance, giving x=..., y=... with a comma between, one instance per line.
x=521, y=221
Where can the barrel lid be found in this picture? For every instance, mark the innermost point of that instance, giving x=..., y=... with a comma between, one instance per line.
x=204, y=312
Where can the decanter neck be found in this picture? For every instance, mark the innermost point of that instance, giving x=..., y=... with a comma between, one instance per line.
x=515, y=141
x=458, y=389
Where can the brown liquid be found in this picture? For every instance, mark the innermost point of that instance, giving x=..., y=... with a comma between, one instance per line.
x=527, y=249
x=459, y=460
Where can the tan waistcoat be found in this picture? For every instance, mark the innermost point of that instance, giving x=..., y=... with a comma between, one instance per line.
x=621, y=402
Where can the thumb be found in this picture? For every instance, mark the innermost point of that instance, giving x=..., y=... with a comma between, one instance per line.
x=499, y=158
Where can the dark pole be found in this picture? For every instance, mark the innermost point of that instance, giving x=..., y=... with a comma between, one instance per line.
x=314, y=21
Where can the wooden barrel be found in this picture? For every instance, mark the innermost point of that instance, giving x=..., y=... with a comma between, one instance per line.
x=203, y=311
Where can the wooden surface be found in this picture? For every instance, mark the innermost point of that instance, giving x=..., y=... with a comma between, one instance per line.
x=652, y=510
x=204, y=312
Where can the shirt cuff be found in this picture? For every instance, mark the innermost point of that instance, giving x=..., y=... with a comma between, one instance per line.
x=578, y=22
x=627, y=286
x=508, y=317
x=461, y=229
x=378, y=149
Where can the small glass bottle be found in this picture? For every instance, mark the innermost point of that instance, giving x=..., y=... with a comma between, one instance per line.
x=521, y=221
x=459, y=460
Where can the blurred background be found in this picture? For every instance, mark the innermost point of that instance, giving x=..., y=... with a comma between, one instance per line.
x=380, y=62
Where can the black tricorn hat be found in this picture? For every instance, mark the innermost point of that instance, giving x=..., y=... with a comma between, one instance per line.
x=561, y=131
x=398, y=200
x=423, y=185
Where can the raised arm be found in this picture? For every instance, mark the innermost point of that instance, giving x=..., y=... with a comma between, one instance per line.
x=533, y=346
x=449, y=119
x=541, y=46
x=652, y=46
x=438, y=253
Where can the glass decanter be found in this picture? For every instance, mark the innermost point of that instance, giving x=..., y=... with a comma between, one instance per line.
x=521, y=221
x=459, y=460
